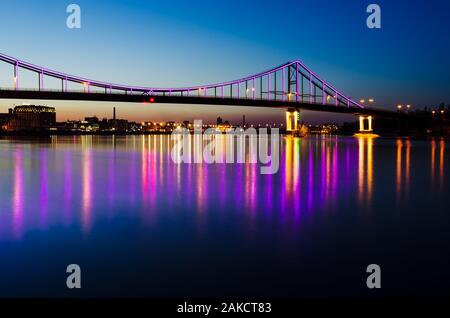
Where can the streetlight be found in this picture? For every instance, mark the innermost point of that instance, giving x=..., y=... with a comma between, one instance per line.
x=369, y=101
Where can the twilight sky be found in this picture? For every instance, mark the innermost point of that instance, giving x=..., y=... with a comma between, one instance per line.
x=180, y=42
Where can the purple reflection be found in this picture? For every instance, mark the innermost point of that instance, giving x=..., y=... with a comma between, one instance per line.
x=18, y=203
x=68, y=166
x=111, y=177
x=296, y=168
x=310, y=177
x=323, y=170
x=144, y=171
x=334, y=172
x=132, y=175
x=44, y=189
x=87, y=190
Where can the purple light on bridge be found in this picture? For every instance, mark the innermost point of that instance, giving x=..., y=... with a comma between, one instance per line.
x=126, y=88
x=254, y=89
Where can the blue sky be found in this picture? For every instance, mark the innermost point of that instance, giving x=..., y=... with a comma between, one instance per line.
x=177, y=43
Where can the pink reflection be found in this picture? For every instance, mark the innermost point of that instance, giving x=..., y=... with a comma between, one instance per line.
x=250, y=187
x=18, y=203
x=328, y=172
x=67, y=185
x=44, y=189
x=441, y=163
x=310, y=177
x=334, y=171
x=132, y=175
x=87, y=190
x=111, y=178
x=201, y=195
x=296, y=176
x=144, y=171
x=323, y=170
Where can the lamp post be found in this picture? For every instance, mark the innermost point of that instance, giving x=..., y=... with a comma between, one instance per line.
x=368, y=101
x=407, y=107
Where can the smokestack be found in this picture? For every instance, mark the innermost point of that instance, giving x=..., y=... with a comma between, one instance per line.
x=114, y=114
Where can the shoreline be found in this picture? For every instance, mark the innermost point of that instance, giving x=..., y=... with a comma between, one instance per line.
x=41, y=134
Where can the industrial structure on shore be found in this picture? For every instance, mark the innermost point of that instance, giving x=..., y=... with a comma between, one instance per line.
x=28, y=118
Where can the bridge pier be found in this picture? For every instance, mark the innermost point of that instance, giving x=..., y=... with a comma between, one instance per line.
x=292, y=121
x=365, y=126
x=362, y=127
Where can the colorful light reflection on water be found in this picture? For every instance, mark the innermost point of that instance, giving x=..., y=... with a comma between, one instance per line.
x=103, y=200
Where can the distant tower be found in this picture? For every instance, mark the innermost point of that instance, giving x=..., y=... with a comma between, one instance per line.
x=114, y=114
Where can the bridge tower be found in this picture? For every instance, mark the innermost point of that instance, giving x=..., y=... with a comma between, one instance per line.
x=363, y=129
x=292, y=120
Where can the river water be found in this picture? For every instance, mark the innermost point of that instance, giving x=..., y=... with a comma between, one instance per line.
x=139, y=224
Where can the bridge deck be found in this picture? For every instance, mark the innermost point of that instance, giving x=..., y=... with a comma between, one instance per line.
x=190, y=100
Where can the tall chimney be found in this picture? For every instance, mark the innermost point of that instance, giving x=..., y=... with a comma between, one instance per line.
x=114, y=114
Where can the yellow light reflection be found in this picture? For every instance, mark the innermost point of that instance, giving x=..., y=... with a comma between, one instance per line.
x=433, y=160
x=369, y=168
x=398, y=180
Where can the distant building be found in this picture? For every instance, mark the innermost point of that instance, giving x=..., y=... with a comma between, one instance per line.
x=120, y=125
x=224, y=126
x=28, y=117
x=323, y=129
x=92, y=120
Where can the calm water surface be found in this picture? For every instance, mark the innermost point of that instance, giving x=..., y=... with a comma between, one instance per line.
x=140, y=225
